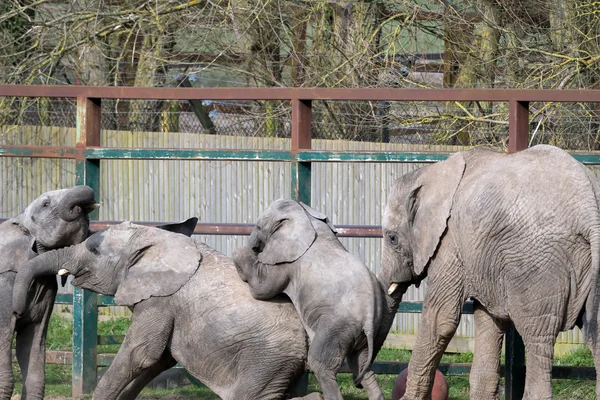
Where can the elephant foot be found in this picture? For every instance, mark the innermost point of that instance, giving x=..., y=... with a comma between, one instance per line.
x=312, y=396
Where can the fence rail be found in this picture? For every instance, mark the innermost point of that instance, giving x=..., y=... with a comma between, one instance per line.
x=88, y=152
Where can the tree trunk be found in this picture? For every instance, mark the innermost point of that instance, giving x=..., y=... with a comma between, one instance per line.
x=143, y=113
x=479, y=65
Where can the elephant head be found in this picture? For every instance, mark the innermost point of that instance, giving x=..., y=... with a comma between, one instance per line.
x=414, y=221
x=57, y=218
x=286, y=230
x=131, y=262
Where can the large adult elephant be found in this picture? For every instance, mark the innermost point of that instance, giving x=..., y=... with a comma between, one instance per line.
x=520, y=234
x=189, y=306
x=55, y=219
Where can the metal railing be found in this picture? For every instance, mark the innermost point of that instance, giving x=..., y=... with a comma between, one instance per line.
x=87, y=154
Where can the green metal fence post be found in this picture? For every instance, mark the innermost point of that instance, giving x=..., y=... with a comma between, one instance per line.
x=85, y=303
x=301, y=179
x=514, y=365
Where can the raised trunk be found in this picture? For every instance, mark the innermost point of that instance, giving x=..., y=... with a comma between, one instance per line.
x=78, y=200
x=45, y=264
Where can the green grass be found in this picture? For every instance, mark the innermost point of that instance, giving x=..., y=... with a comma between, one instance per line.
x=58, y=377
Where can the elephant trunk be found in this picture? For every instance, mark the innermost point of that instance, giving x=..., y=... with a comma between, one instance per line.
x=390, y=309
x=254, y=242
x=44, y=264
x=79, y=200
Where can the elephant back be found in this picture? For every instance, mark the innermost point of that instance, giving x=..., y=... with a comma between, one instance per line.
x=232, y=331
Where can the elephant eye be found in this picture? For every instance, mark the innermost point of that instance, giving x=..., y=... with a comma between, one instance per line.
x=392, y=238
x=46, y=203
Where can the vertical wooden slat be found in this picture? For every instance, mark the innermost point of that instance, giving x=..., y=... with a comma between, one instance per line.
x=518, y=118
x=85, y=304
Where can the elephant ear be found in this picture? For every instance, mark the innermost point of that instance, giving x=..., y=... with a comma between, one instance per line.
x=429, y=205
x=292, y=237
x=185, y=228
x=19, y=246
x=159, y=264
x=318, y=215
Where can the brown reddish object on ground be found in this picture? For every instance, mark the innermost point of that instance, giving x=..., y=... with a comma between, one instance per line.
x=439, y=392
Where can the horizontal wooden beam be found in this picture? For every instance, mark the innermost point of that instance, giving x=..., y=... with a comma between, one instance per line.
x=123, y=153
x=217, y=154
x=379, y=367
x=410, y=307
x=347, y=94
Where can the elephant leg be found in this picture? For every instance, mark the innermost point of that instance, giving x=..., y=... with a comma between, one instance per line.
x=143, y=347
x=539, y=352
x=369, y=381
x=7, y=380
x=539, y=334
x=440, y=318
x=31, y=355
x=134, y=388
x=591, y=329
x=485, y=371
x=325, y=357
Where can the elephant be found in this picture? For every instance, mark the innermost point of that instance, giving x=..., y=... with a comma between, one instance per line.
x=189, y=306
x=294, y=250
x=519, y=234
x=55, y=219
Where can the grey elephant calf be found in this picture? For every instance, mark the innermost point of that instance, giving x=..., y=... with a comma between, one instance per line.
x=294, y=250
x=189, y=306
x=55, y=219
x=520, y=234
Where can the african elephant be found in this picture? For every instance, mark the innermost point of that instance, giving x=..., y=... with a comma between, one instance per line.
x=294, y=250
x=520, y=234
x=55, y=219
x=189, y=306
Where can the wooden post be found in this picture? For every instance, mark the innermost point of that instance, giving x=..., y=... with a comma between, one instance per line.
x=518, y=125
x=301, y=181
x=514, y=366
x=85, y=303
x=301, y=140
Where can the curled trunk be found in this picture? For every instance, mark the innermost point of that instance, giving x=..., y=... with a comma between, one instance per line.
x=78, y=200
x=45, y=264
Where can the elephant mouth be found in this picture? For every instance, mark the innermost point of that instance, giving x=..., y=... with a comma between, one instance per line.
x=64, y=275
x=88, y=208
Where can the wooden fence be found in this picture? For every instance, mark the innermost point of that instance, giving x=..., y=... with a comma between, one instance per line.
x=90, y=156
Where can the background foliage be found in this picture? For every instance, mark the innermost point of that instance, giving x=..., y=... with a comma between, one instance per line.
x=270, y=43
